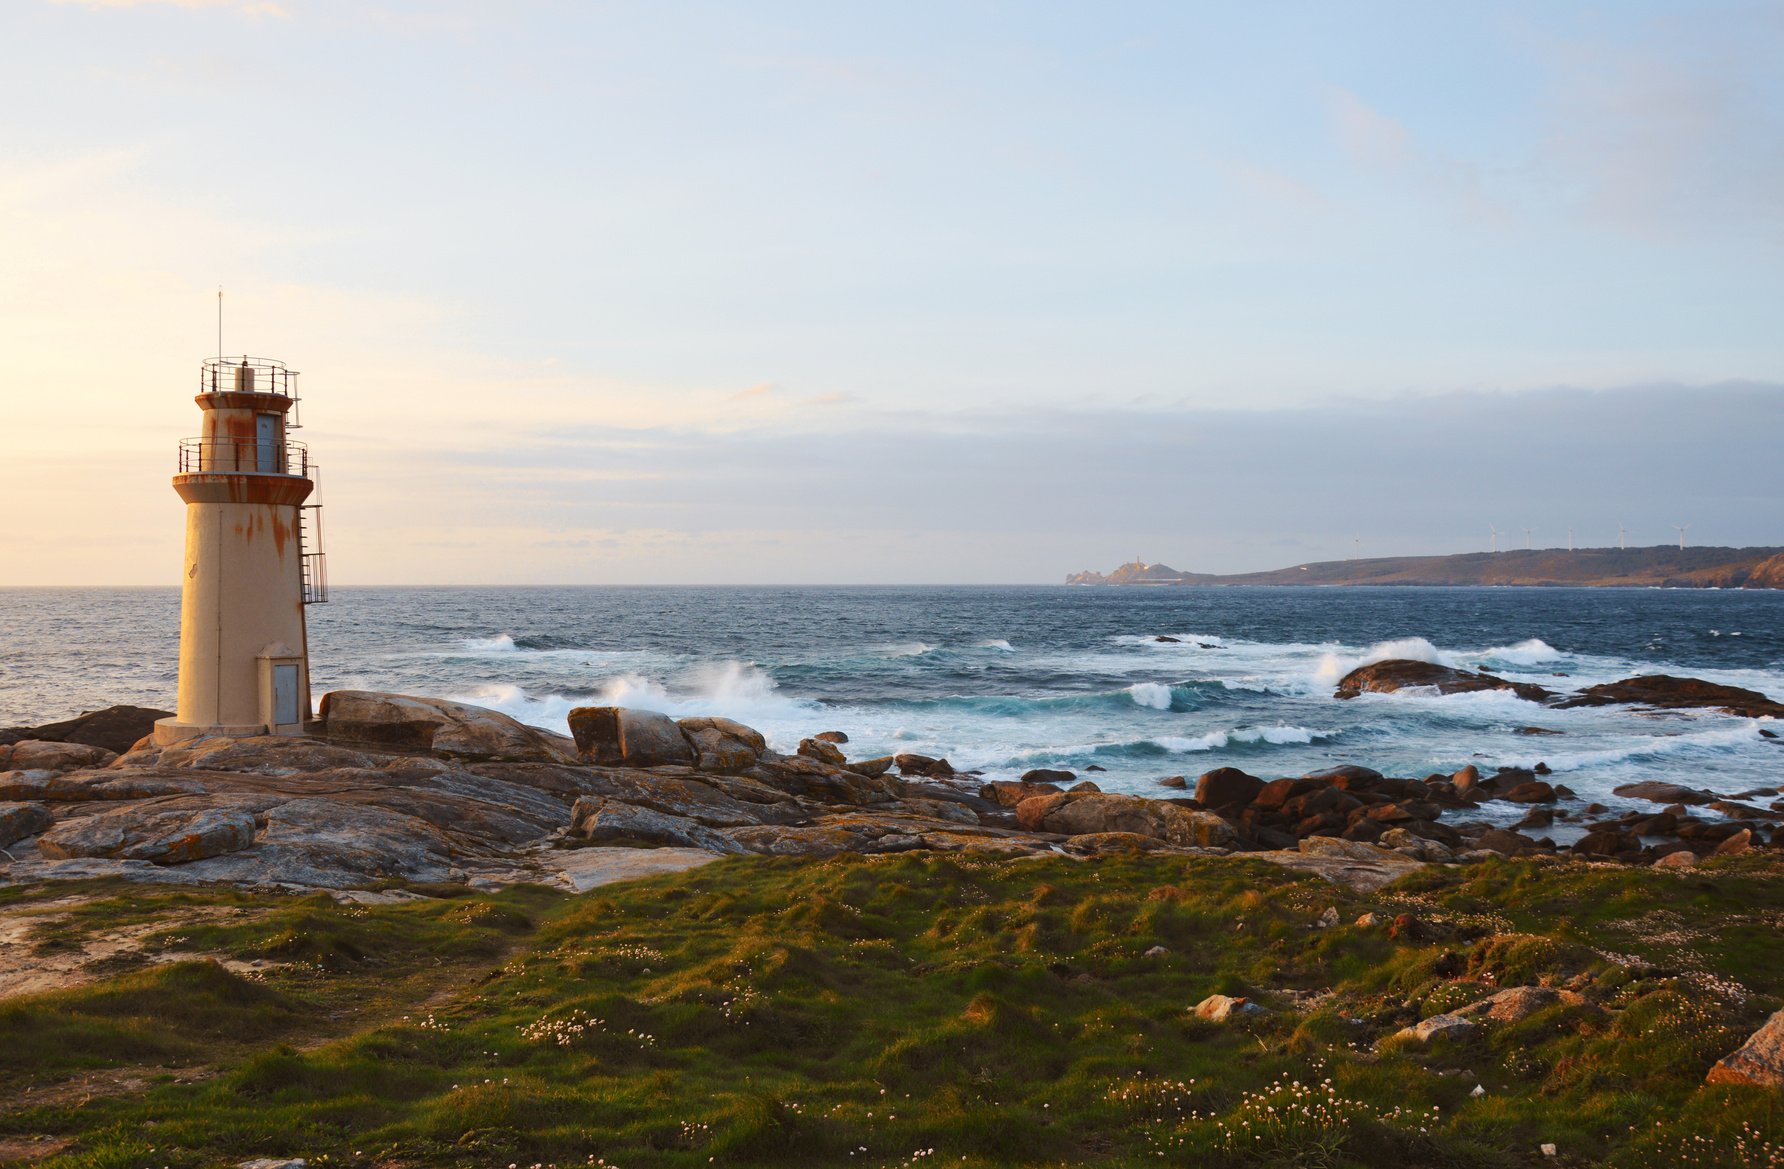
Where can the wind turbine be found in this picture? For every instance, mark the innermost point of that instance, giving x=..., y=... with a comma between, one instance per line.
x=1681, y=530
x=1622, y=543
x=1570, y=539
x=1495, y=532
x=1526, y=539
x=1359, y=541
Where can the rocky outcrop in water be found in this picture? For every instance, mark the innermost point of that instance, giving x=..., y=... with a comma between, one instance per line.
x=1406, y=674
x=1665, y=692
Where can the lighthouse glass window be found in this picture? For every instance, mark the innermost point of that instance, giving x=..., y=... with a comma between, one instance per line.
x=266, y=433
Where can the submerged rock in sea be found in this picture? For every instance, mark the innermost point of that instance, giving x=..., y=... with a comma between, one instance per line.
x=1665, y=692
x=1395, y=674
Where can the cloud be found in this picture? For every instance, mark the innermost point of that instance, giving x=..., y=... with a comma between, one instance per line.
x=1028, y=496
x=1670, y=144
x=759, y=390
x=1382, y=144
x=255, y=8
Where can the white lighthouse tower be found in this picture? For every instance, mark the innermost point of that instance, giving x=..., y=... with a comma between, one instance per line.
x=253, y=559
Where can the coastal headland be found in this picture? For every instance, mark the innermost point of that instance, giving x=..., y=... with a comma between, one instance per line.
x=1662, y=566
x=427, y=934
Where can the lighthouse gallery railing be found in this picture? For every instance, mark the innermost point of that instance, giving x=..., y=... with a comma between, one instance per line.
x=244, y=456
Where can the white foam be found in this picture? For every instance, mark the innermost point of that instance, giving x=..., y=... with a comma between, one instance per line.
x=1216, y=740
x=1529, y=652
x=1649, y=747
x=1155, y=695
x=1334, y=666
x=995, y=643
x=728, y=689
x=910, y=649
x=500, y=643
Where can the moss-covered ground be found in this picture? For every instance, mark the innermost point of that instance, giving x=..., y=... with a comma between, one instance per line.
x=909, y=1010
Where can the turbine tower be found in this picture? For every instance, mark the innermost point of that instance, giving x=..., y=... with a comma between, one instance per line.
x=1681, y=530
x=1526, y=539
x=1359, y=543
x=1622, y=542
x=1570, y=539
x=1495, y=532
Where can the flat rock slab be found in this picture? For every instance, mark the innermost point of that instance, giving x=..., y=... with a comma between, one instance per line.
x=587, y=868
x=1363, y=873
x=170, y=837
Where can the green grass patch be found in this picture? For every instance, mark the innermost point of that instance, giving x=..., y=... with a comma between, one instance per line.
x=787, y=1012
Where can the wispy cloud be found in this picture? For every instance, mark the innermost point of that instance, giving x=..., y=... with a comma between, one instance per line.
x=1669, y=146
x=759, y=390
x=1379, y=142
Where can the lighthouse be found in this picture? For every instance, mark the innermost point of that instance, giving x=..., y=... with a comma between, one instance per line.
x=253, y=558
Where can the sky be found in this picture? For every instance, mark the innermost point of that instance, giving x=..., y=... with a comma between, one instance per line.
x=665, y=292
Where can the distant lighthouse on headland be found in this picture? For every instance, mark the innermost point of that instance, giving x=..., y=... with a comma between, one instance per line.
x=253, y=561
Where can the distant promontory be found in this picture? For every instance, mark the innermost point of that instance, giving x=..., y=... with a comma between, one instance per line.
x=1662, y=566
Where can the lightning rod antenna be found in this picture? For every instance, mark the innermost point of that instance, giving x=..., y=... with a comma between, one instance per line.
x=219, y=322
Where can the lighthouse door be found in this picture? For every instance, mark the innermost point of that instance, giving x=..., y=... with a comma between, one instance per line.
x=284, y=695
x=266, y=436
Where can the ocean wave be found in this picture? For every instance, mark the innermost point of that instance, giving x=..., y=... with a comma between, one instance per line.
x=909, y=649
x=1182, y=697
x=1653, y=747
x=501, y=643
x=997, y=643
x=1280, y=736
x=735, y=690
x=1532, y=651
x=1153, y=694
x=1333, y=666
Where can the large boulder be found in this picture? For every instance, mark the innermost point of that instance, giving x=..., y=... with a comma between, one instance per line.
x=1406, y=674
x=166, y=836
x=823, y=751
x=1665, y=692
x=401, y=722
x=1663, y=793
x=1227, y=787
x=1007, y=793
x=116, y=728
x=722, y=745
x=618, y=735
x=1076, y=813
x=1759, y=1061
x=52, y=755
x=18, y=821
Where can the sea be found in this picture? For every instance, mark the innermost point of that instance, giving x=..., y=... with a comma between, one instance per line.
x=1143, y=683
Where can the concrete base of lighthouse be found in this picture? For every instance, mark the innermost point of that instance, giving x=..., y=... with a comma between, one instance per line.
x=169, y=731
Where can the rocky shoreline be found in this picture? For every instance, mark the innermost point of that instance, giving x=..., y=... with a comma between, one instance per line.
x=391, y=788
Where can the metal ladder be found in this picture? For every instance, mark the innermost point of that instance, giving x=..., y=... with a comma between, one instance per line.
x=312, y=565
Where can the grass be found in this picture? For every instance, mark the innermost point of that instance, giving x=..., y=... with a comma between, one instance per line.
x=920, y=1008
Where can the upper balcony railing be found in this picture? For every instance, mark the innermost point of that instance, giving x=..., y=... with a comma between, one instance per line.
x=249, y=375
x=244, y=456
